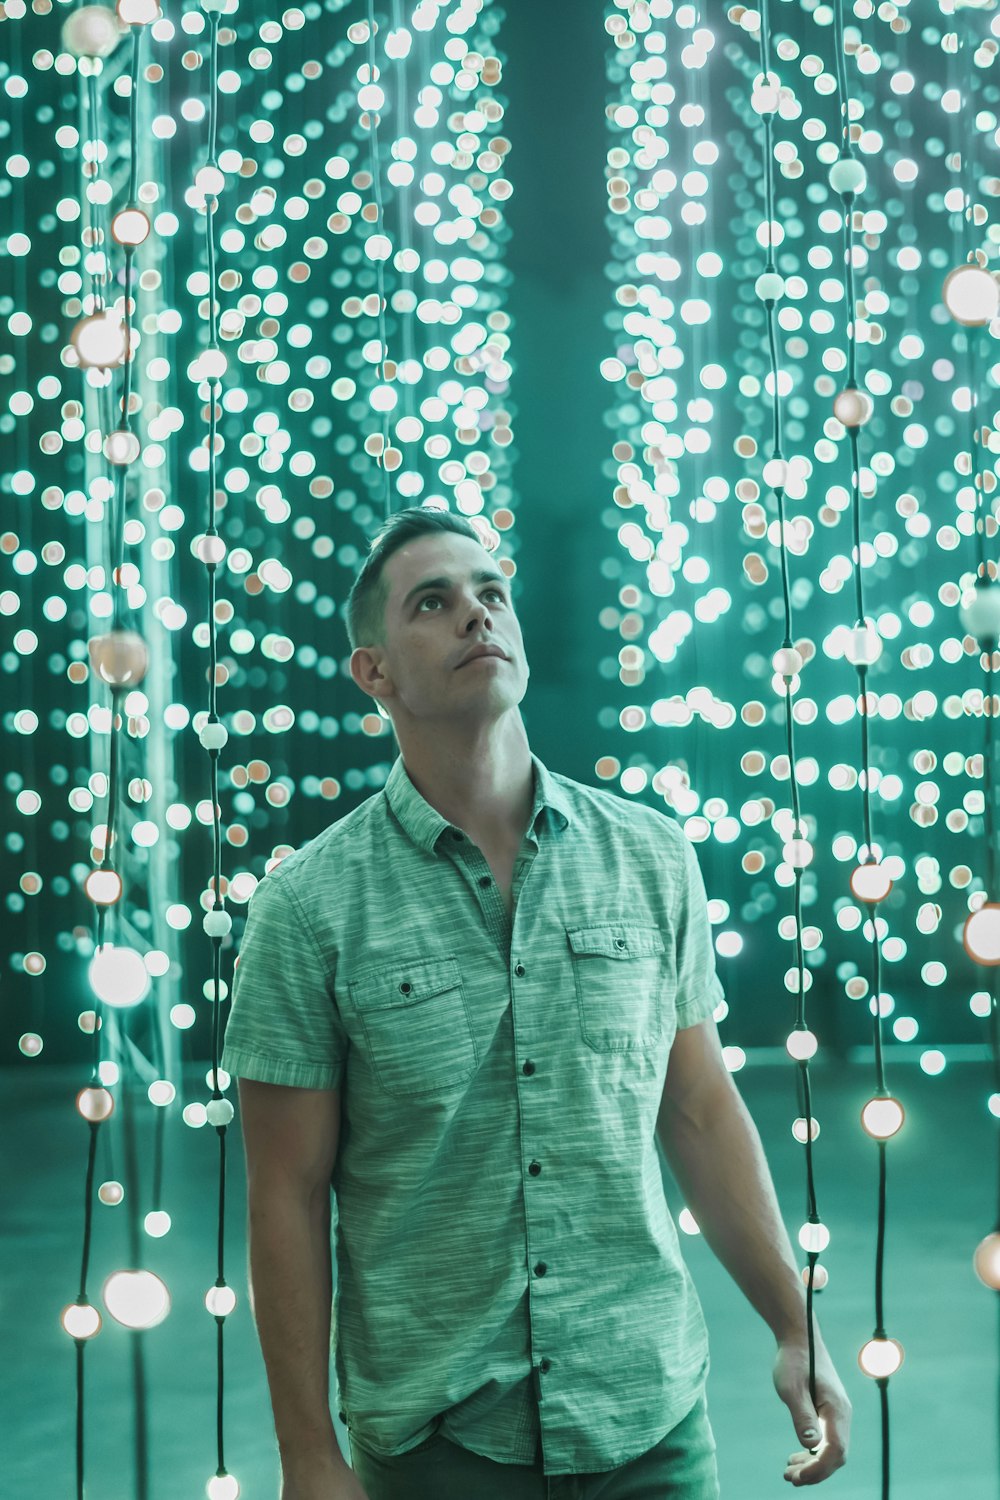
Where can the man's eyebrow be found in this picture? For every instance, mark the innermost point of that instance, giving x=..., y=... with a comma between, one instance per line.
x=482, y=576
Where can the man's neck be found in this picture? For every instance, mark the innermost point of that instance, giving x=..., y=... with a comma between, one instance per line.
x=485, y=785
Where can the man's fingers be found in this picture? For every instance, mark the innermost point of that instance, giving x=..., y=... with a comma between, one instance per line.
x=811, y=1468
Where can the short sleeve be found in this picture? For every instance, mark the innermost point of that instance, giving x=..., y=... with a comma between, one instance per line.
x=284, y=1026
x=699, y=988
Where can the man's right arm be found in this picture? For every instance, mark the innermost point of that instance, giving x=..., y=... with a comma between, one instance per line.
x=290, y=1137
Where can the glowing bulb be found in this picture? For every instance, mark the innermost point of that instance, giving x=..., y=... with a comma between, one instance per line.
x=769, y=286
x=881, y=1358
x=222, y=1486
x=80, y=1320
x=157, y=1223
x=979, y=611
x=882, y=1118
x=848, y=176
x=111, y=1193
x=138, y=12
x=981, y=934
x=220, y=1301
x=130, y=226
x=120, y=658
x=814, y=1238
x=121, y=447
x=92, y=31
x=863, y=644
x=99, y=340
x=103, y=887
x=801, y=1045
x=787, y=662
x=852, y=407
x=820, y=1277
x=94, y=1104
x=798, y=853
x=210, y=549
x=209, y=181
x=972, y=295
x=136, y=1299
x=799, y=1129
x=118, y=976
x=870, y=882
x=987, y=1261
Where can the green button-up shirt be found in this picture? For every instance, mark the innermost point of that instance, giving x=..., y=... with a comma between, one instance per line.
x=507, y=1268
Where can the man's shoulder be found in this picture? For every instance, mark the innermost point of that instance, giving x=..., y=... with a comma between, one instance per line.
x=603, y=805
x=337, y=842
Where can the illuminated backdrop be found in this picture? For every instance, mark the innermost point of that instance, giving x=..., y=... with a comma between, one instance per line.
x=307, y=211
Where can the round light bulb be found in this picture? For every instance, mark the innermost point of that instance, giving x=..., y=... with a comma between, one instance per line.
x=130, y=226
x=820, y=1277
x=814, y=1238
x=80, y=1320
x=210, y=181
x=801, y=1045
x=787, y=662
x=987, y=1260
x=103, y=887
x=222, y=1486
x=882, y=1118
x=99, y=340
x=848, y=176
x=881, y=1358
x=210, y=549
x=118, y=976
x=120, y=658
x=92, y=31
x=863, y=644
x=770, y=287
x=94, y=1104
x=799, y=1129
x=220, y=1301
x=979, y=611
x=870, y=883
x=798, y=853
x=136, y=1299
x=981, y=934
x=111, y=1193
x=157, y=1223
x=138, y=12
x=852, y=407
x=972, y=295
x=121, y=447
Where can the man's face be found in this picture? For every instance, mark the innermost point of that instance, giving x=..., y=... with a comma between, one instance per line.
x=446, y=597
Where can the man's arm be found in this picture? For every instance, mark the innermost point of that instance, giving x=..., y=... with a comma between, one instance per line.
x=714, y=1151
x=291, y=1136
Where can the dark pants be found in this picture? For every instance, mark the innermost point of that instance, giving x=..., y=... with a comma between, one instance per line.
x=680, y=1467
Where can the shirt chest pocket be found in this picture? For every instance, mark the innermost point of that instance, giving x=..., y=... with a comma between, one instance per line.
x=416, y=1023
x=620, y=971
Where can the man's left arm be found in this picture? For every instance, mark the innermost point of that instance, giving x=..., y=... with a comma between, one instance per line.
x=714, y=1151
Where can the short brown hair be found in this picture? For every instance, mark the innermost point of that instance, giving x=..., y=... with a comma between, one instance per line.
x=365, y=614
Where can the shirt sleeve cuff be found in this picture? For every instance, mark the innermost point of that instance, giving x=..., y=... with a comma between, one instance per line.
x=241, y=1063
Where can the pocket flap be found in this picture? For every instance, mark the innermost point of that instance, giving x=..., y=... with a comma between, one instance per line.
x=407, y=982
x=617, y=940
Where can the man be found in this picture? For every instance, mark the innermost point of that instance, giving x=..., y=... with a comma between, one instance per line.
x=471, y=1007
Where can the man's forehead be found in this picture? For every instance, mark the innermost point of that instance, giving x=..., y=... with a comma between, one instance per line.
x=451, y=555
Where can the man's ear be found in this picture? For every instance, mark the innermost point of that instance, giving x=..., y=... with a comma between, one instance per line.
x=366, y=669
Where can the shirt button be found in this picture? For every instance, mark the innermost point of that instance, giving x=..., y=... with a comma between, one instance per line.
x=541, y=1268
x=405, y=987
x=535, y=1168
x=619, y=942
x=545, y=1365
x=519, y=970
x=484, y=879
x=528, y=1068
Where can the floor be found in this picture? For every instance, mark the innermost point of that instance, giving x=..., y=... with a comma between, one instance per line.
x=942, y=1198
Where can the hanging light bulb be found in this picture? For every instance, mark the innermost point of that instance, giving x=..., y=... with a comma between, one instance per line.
x=99, y=340
x=870, y=882
x=852, y=407
x=987, y=1261
x=848, y=176
x=130, y=226
x=92, y=31
x=120, y=658
x=881, y=1358
x=882, y=1117
x=979, y=611
x=972, y=295
x=981, y=934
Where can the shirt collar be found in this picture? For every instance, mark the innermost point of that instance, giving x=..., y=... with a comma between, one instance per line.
x=425, y=825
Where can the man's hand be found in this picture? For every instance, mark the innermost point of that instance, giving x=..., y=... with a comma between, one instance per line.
x=326, y=1482
x=824, y=1427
